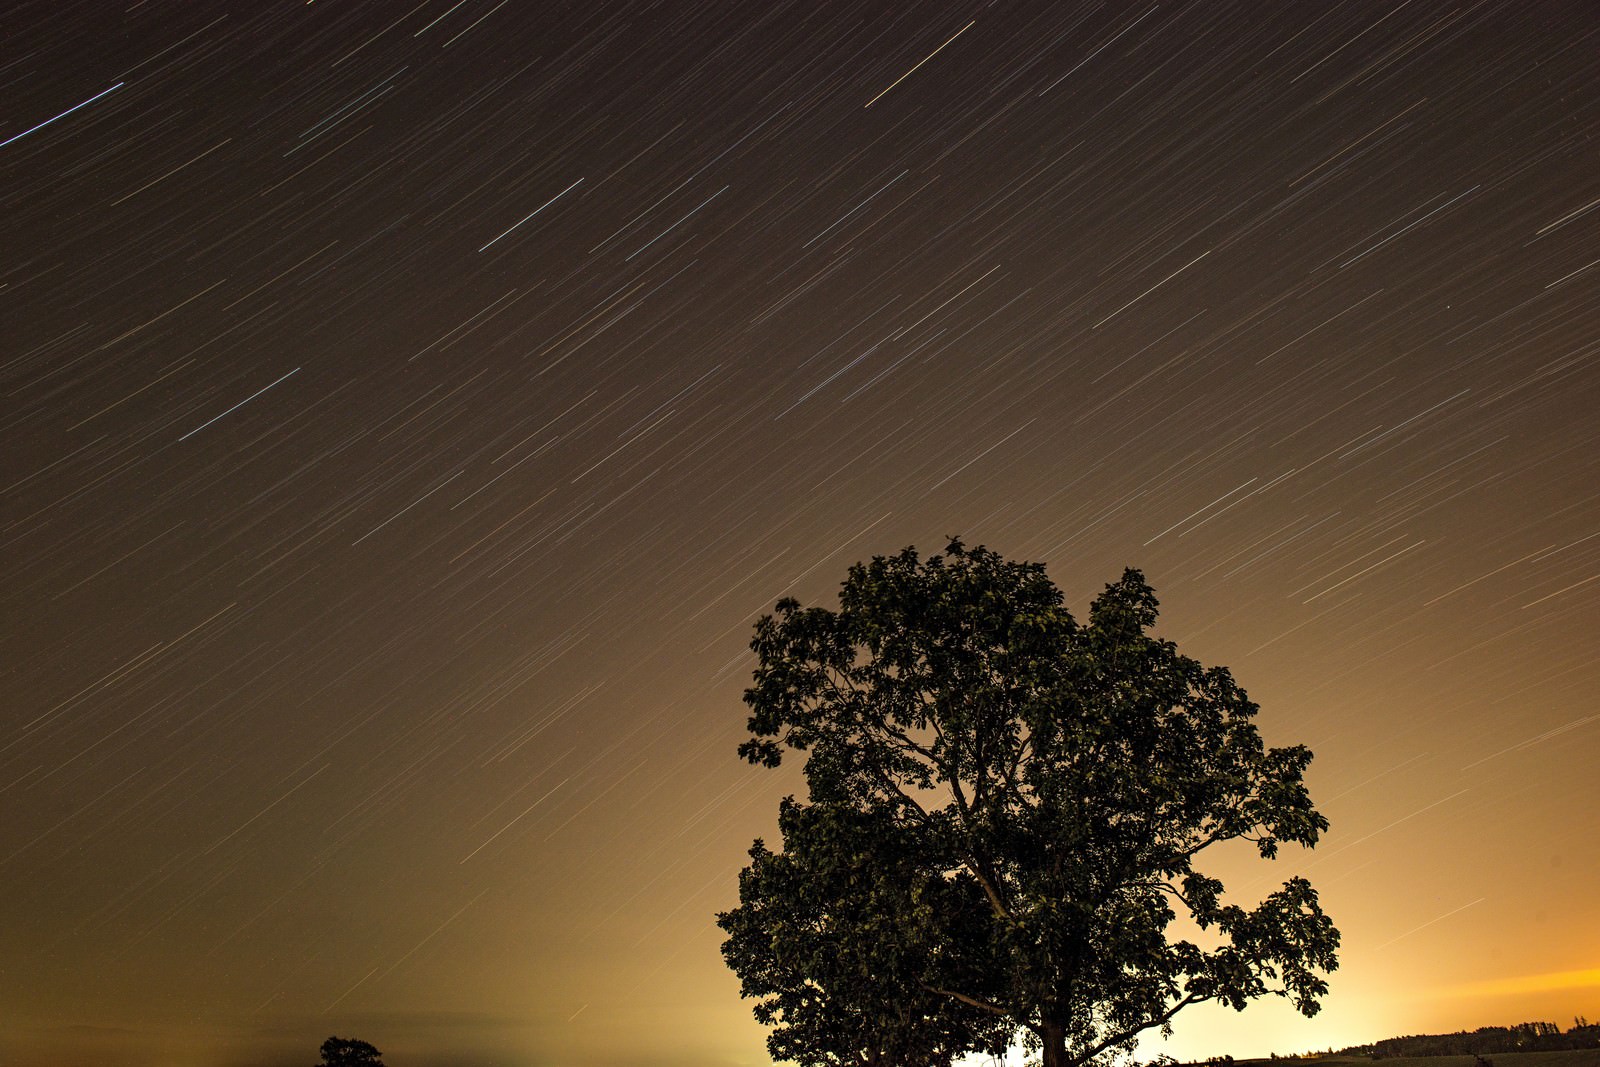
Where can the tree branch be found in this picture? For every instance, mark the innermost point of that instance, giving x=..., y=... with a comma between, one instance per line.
x=999, y=906
x=921, y=750
x=1117, y=1039
x=976, y=1002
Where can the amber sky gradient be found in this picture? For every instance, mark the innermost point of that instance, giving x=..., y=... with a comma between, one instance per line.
x=408, y=408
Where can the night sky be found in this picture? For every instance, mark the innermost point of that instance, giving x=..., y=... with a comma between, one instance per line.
x=408, y=410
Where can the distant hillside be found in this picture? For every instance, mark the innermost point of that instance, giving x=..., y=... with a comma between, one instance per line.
x=1588, y=1057
x=1484, y=1041
x=1523, y=1045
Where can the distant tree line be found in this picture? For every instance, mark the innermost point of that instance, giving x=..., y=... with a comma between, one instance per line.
x=1486, y=1040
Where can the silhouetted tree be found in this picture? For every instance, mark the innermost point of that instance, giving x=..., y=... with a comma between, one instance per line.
x=348, y=1052
x=1051, y=783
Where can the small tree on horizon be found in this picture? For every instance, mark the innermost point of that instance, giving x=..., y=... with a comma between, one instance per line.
x=348, y=1052
x=1069, y=774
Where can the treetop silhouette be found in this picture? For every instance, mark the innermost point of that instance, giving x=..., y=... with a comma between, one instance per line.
x=1006, y=811
x=348, y=1052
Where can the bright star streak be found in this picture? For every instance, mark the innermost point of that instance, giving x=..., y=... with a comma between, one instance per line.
x=237, y=406
x=540, y=208
x=925, y=58
x=63, y=115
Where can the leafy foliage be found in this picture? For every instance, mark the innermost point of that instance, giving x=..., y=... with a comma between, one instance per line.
x=1056, y=780
x=348, y=1052
x=816, y=936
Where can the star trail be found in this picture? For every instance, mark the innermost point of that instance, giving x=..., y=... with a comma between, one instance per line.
x=408, y=410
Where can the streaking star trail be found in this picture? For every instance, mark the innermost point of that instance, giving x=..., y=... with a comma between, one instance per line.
x=406, y=412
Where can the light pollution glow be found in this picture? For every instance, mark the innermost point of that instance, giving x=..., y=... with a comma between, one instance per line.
x=408, y=410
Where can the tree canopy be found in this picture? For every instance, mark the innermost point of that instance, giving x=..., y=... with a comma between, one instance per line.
x=816, y=937
x=1006, y=808
x=348, y=1052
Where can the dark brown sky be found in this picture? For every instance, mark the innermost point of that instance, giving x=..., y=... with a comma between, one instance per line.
x=408, y=408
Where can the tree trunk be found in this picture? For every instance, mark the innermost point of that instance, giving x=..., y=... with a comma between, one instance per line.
x=1054, y=1040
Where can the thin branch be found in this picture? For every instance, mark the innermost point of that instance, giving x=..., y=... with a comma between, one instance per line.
x=1165, y=887
x=904, y=797
x=1117, y=1039
x=976, y=1002
x=1219, y=834
x=921, y=750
